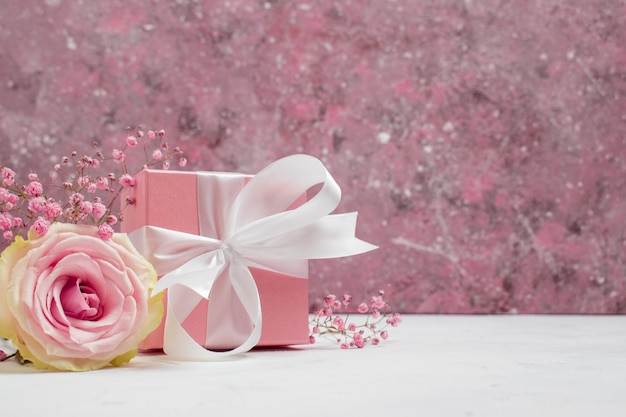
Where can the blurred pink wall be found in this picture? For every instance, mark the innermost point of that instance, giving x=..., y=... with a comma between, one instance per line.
x=482, y=142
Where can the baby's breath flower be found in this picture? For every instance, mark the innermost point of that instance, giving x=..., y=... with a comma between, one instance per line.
x=327, y=321
x=89, y=187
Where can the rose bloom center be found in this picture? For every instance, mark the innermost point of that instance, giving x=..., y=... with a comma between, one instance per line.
x=79, y=300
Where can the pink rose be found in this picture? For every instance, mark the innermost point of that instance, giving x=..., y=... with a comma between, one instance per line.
x=72, y=301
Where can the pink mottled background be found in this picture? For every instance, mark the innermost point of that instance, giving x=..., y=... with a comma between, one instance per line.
x=483, y=142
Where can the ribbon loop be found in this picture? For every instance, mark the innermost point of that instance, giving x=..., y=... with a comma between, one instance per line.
x=259, y=229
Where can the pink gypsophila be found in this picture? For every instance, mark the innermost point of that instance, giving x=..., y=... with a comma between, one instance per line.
x=8, y=176
x=76, y=198
x=10, y=198
x=52, y=210
x=102, y=183
x=34, y=188
x=36, y=204
x=105, y=231
x=377, y=302
x=131, y=141
x=86, y=207
x=127, y=181
x=98, y=210
x=118, y=156
x=6, y=221
x=41, y=226
x=329, y=300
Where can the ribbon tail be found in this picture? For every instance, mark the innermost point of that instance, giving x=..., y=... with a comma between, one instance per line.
x=178, y=344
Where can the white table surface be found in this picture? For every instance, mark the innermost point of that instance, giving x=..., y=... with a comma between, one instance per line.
x=432, y=365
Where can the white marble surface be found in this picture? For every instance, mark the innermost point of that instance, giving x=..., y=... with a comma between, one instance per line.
x=431, y=366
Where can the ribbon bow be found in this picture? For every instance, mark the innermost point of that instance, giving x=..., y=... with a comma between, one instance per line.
x=258, y=230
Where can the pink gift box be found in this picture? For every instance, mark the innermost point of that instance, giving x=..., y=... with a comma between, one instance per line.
x=168, y=199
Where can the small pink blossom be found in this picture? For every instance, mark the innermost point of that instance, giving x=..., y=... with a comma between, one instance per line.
x=375, y=341
x=40, y=226
x=11, y=198
x=34, y=188
x=157, y=154
x=377, y=302
x=358, y=340
x=384, y=334
x=131, y=141
x=344, y=346
x=375, y=314
x=36, y=204
x=362, y=308
x=111, y=220
x=329, y=300
x=7, y=234
x=394, y=320
x=338, y=322
x=5, y=221
x=91, y=188
x=52, y=209
x=118, y=156
x=102, y=183
x=316, y=330
x=166, y=165
x=32, y=176
x=351, y=327
x=99, y=210
x=346, y=299
x=311, y=339
x=17, y=221
x=127, y=181
x=86, y=207
x=151, y=134
x=8, y=176
x=76, y=199
x=82, y=181
x=182, y=162
x=105, y=231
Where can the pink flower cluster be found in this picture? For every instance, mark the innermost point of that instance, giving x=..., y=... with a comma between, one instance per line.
x=80, y=189
x=329, y=321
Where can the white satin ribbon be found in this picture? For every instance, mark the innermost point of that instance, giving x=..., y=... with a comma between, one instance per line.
x=257, y=230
